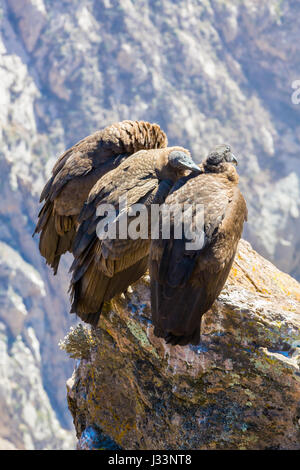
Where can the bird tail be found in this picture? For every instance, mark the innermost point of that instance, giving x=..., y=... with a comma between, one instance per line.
x=57, y=234
x=176, y=315
x=183, y=340
x=90, y=292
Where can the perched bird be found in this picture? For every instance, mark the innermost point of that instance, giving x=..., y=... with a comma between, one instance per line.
x=76, y=172
x=185, y=282
x=103, y=268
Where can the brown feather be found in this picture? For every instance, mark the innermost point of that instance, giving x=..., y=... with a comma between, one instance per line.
x=105, y=268
x=184, y=284
x=76, y=172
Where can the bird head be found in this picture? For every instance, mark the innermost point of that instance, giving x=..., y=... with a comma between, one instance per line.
x=221, y=154
x=181, y=159
x=174, y=163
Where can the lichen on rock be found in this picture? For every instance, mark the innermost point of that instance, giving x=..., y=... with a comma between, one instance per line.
x=78, y=342
x=210, y=73
x=239, y=389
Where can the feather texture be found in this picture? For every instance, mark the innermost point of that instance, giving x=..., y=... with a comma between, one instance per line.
x=185, y=283
x=76, y=172
x=103, y=268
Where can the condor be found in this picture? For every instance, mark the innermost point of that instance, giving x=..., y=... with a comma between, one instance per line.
x=184, y=282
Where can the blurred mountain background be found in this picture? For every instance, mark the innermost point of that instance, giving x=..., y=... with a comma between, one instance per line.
x=207, y=71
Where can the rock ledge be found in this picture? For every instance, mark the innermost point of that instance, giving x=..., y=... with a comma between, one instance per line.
x=239, y=389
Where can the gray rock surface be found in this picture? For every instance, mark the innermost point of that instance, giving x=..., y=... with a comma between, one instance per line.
x=238, y=389
x=207, y=72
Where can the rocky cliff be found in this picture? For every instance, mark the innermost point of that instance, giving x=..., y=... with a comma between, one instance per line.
x=239, y=389
x=207, y=72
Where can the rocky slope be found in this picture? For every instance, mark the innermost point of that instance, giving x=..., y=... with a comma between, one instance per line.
x=33, y=305
x=239, y=389
x=33, y=317
x=207, y=71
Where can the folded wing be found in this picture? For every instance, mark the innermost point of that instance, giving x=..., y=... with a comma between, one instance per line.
x=105, y=268
x=185, y=282
x=76, y=172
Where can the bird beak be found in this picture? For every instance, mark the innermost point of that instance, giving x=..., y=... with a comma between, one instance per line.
x=188, y=163
x=191, y=165
x=182, y=160
x=233, y=159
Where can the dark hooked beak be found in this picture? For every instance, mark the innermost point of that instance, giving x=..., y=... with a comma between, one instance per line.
x=233, y=159
x=191, y=165
x=182, y=160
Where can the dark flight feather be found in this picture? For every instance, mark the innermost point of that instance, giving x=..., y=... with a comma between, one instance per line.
x=76, y=172
x=105, y=268
x=185, y=283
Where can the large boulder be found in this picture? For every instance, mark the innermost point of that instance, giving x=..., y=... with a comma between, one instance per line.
x=239, y=389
